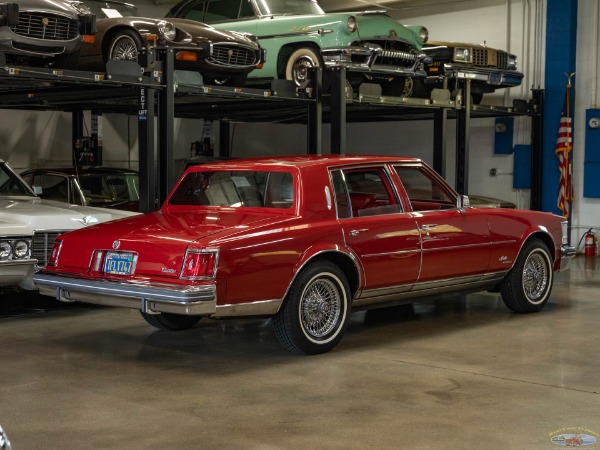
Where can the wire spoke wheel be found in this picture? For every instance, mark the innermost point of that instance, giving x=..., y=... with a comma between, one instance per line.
x=535, y=277
x=125, y=46
x=320, y=308
x=526, y=288
x=315, y=312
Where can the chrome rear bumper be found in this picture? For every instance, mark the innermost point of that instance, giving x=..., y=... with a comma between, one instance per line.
x=150, y=297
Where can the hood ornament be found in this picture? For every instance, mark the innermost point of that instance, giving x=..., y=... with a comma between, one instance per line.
x=87, y=220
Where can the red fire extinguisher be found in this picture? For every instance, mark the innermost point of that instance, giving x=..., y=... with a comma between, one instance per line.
x=590, y=243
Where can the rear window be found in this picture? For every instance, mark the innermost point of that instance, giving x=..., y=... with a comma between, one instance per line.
x=235, y=189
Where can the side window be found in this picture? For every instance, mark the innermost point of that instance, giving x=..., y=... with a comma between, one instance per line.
x=54, y=187
x=364, y=192
x=424, y=191
x=196, y=12
x=218, y=10
x=246, y=9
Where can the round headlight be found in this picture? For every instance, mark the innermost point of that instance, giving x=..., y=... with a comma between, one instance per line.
x=424, y=34
x=351, y=24
x=167, y=30
x=5, y=250
x=21, y=249
x=81, y=8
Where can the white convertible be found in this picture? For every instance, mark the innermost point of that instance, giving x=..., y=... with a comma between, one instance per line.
x=29, y=225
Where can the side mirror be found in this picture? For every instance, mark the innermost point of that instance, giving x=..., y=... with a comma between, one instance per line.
x=462, y=202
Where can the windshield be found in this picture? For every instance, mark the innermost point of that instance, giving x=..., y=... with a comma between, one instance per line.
x=11, y=184
x=275, y=7
x=104, y=10
x=103, y=189
x=236, y=188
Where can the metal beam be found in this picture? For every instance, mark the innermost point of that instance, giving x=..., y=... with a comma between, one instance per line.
x=166, y=117
x=338, y=111
x=146, y=149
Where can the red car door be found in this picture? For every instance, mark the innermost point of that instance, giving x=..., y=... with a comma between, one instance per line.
x=384, y=238
x=455, y=242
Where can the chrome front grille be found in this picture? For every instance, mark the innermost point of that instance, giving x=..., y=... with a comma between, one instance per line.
x=42, y=25
x=42, y=245
x=393, y=53
x=232, y=55
x=487, y=57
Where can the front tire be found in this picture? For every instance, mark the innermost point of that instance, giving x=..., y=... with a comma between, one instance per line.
x=526, y=288
x=172, y=322
x=299, y=62
x=315, y=312
x=124, y=46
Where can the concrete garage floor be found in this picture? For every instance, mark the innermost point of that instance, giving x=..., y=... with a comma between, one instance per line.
x=466, y=373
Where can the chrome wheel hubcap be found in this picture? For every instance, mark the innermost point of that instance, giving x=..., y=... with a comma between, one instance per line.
x=535, y=277
x=320, y=308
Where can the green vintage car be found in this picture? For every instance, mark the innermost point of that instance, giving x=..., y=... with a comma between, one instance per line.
x=298, y=34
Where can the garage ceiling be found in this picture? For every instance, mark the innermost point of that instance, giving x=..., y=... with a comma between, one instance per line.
x=406, y=8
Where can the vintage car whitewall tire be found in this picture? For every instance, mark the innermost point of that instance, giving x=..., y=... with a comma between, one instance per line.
x=125, y=46
x=315, y=312
x=299, y=61
x=173, y=322
x=526, y=288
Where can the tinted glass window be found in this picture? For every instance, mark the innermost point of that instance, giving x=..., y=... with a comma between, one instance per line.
x=363, y=192
x=221, y=10
x=424, y=191
x=236, y=188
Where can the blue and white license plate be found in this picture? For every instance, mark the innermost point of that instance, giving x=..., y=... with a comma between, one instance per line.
x=119, y=263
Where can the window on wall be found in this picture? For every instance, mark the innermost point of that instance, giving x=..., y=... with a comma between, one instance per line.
x=424, y=191
x=363, y=192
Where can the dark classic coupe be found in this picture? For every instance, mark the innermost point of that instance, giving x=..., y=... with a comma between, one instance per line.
x=222, y=57
x=487, y=68
x=306, y=240
x=45, y=32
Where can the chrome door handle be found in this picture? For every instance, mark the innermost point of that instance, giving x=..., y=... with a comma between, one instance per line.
x=426, y=228
x=360, y=230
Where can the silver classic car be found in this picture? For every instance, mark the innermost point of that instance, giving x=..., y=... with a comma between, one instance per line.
x=29, y=224
x=43, y=32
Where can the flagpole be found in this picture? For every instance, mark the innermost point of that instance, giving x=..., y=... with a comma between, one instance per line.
x=569, y=193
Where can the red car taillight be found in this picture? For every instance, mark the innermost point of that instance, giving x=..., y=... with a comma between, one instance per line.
x=199, y=264
x=53, y=260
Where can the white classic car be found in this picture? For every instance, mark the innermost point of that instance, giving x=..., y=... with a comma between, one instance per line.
x=29, y=224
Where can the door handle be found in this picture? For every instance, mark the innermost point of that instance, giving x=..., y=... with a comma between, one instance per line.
x=356, y=232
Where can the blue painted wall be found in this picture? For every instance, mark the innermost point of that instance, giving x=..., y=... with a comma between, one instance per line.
x=561, y=41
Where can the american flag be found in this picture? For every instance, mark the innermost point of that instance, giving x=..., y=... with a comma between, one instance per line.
x=564, y=145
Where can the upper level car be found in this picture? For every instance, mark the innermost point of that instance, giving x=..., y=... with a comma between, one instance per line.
x=29, y=225
x=107, y=187
x=43, y=32
x=299, y=34
x=305, y=240
x=222, y=57
x=487, y=68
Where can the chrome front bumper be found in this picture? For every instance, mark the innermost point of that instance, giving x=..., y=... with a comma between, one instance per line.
x=364, y=59
x=147, y=297
x=18, y=273
x=498, y=78
x=567, y=253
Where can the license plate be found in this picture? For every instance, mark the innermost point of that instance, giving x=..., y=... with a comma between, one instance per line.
x=495, y=79
x=118, y=263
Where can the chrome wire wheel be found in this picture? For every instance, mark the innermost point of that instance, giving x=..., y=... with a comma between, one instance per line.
x=124, y=48
x=315, y=312
x=535, y=277
x=320, y=308
x=527, y=286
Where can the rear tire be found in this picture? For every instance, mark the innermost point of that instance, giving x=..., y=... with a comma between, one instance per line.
x=168, y=321
x=315, y=312
x=526, y=288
